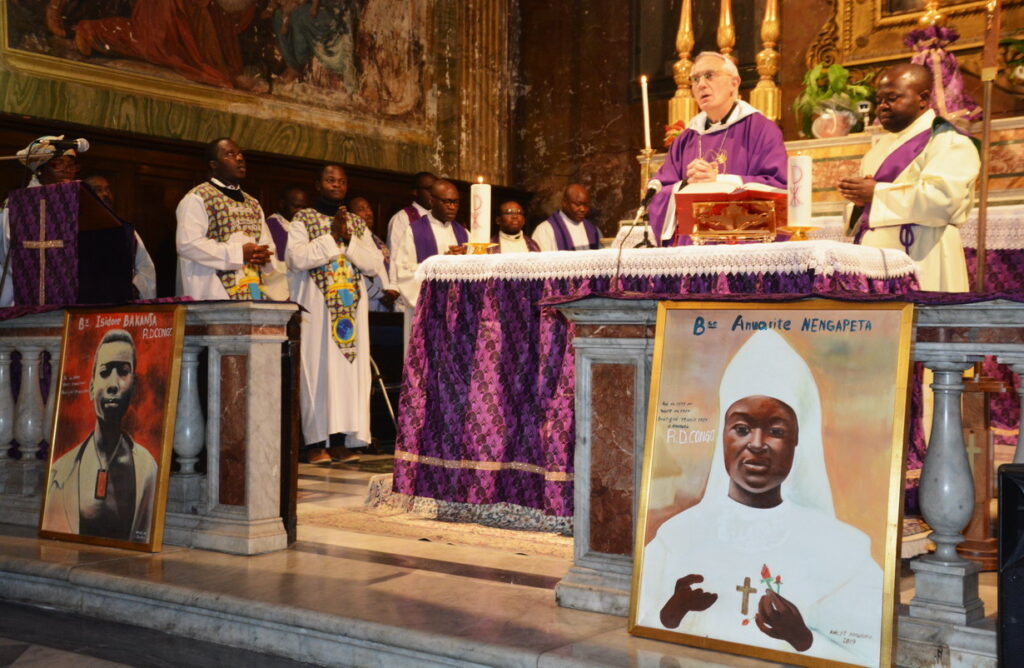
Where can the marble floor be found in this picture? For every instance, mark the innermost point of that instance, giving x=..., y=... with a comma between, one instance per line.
x=335, y=598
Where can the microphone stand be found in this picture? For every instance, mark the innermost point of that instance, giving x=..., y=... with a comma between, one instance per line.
x=646, y=220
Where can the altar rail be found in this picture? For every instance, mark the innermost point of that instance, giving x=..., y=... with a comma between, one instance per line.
x=234, y=506
x=613, y=347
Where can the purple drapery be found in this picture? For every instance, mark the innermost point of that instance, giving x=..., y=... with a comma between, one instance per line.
x=487, y=408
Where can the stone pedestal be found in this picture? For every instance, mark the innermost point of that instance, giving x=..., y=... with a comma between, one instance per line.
x=613, y=345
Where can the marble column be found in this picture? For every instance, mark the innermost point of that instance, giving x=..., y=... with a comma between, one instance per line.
x=186, y=485
x=240, y=512
x=946, y=584
x=29, y=419
x=613, y=348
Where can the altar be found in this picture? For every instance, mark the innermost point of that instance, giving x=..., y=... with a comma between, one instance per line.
x=488, y=412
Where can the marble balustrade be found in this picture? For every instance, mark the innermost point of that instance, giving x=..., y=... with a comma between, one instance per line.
x=234, y=506
x=614, y=349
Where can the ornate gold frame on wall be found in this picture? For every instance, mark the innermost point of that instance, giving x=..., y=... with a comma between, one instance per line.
x=858, y=32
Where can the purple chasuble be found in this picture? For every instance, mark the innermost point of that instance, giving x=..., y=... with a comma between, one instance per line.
x=48, y=250
x=423, y=237
x=276, y=224
x=753, y=150
x=563, y=239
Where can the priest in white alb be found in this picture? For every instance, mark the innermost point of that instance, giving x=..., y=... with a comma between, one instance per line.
x=917, y=182
x=330, y=254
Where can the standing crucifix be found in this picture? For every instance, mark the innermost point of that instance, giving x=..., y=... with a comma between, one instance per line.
x=42, y=244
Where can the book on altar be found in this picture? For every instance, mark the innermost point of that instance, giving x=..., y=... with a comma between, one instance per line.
x=727, y=212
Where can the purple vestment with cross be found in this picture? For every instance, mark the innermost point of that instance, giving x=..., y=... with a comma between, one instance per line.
x=753, y=148
x=44, y=244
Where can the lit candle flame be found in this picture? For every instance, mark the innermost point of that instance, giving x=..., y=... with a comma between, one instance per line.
x=479, y=179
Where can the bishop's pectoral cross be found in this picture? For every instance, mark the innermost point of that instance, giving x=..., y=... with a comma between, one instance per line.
x=42, y=244
x=746, y=590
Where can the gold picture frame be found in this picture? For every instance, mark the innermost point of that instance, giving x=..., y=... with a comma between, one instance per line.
x=117, y=386
x=774, y=460
x=867, y=33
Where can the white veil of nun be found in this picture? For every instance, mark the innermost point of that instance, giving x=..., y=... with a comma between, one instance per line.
x=768, y=366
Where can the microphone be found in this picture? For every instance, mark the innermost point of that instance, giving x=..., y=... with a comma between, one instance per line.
x=79, y=145
x=653, y=186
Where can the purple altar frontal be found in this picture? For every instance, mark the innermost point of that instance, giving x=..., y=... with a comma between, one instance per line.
x=486, y=414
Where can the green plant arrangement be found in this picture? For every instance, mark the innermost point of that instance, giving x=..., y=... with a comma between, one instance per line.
x=1014, y=57
x=828, y=89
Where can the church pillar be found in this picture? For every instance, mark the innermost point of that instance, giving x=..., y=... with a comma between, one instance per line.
x=484, y=82
x=241, y=511
x=613, y=347
x=946, y=584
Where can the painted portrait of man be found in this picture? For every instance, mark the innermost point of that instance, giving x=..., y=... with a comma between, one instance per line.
x=105, y=486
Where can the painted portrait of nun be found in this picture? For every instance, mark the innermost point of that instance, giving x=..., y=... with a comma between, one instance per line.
x=762, y=559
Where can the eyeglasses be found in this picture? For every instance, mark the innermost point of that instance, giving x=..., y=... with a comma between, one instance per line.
x=708, y=76
x=511, y=212
x=449, y=202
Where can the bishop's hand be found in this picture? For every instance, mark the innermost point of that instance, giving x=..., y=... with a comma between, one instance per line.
x=701, y=171
x=780, y=619
x=685, y=599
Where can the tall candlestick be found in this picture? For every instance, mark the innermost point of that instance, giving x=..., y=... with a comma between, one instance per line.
x=647, y=113
x=480, y=212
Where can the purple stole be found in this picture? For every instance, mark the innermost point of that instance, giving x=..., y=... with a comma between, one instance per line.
x=892, y=167
x=278, y=233
x=563, y=239
x=411, y=212
x=423, y=237
x=531, y=245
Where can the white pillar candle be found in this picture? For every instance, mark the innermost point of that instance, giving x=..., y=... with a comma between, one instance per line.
x=480, y=212
x=647, y=113
x=799, y=172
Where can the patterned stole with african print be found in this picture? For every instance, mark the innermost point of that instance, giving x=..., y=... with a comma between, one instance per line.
x=338, y=280
x=226, y=217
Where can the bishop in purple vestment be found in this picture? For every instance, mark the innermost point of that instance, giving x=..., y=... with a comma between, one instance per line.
x=728, y=141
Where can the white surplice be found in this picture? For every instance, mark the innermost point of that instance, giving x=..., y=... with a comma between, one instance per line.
x=200, y=258
x=335, y=393
x=404, y=262
x=935, y=193
x=544, y=234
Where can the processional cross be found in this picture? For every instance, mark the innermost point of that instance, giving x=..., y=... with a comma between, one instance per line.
x=42, y=244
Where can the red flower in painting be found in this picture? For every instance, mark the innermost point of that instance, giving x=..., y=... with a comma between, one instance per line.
x=765, y=573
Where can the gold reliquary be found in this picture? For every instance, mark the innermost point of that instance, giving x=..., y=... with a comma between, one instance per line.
x=728, y=218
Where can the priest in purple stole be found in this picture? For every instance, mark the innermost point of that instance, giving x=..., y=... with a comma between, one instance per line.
x=419, y=207
x=437, y=232
x=918, y=181
x=568, y=228
x=728, y=141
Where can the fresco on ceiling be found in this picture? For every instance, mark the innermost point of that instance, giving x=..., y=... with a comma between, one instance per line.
x=365, y=57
